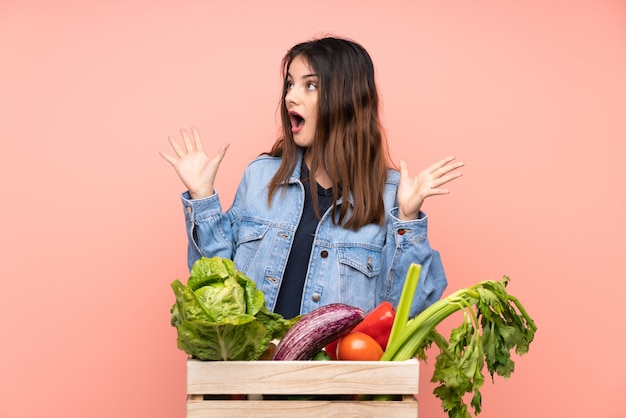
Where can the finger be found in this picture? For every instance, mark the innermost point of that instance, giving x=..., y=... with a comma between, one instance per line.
x=439, y=192
x=221, y=152
x=168, y=158
x=186, y=140
x=440, y=163
x=447, y=169
x=446, y=179
x=404, y=169
x=179, y=151
x=196, y=138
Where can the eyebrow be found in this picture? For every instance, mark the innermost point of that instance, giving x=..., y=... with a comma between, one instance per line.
x=304, y=76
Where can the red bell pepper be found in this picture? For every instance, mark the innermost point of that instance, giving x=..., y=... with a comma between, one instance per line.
x=377, y=324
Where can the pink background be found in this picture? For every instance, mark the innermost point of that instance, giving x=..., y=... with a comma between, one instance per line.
x=530, y=94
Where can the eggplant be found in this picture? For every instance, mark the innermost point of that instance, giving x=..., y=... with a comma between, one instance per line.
x=316, y=329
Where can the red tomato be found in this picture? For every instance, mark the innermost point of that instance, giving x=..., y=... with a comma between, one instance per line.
x=358, y=346
x=377, y=324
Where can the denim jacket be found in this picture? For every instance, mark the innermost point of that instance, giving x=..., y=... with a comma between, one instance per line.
x=359, y=268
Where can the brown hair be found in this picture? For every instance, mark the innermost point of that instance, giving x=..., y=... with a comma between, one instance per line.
x=349, y=140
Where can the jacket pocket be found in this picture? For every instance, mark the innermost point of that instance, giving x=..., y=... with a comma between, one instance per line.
x=360, y=268
x=248, y=243
x=363, y=261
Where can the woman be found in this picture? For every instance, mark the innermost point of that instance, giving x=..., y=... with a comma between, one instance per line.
x=322, y=217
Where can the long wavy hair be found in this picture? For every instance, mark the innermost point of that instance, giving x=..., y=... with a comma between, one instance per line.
x=349, y=143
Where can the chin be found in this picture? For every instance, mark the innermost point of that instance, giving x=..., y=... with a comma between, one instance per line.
x=303, y=142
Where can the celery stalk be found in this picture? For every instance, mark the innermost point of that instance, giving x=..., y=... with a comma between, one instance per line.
x=495, y=324
x=406, y=299
x=417, y=330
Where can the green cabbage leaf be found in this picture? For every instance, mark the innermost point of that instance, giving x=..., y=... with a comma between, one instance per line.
x=221, y=315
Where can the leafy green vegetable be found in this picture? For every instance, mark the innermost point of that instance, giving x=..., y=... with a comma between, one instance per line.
x=221, y=315
x=494, y=324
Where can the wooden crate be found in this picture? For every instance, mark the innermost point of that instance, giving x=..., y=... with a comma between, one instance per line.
x=327, y=380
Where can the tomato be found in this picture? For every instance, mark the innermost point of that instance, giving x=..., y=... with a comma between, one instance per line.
x=377, y=324
x=358, y=346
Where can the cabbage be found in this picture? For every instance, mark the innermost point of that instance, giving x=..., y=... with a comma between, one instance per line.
x=221, y=315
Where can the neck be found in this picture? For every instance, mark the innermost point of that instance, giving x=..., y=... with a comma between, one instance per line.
x=323, y=180
x=320, y=176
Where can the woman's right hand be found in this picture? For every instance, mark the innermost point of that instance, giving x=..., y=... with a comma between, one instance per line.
x=194, y=167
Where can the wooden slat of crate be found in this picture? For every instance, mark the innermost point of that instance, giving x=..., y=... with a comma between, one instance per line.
x=301, y=409
x=302, y=377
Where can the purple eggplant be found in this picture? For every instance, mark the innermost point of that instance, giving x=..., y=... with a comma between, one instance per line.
x=316, y=329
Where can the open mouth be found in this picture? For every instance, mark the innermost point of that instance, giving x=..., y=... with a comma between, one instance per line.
x=297, y=122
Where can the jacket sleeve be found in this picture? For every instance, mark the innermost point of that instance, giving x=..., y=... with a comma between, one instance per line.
x=210, y=231
x=406, y=243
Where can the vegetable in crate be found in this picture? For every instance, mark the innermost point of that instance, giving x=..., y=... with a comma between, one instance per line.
x=494, y=324
x=316, y=329
x=358, y=346
x=377, y=324
x=221, y=315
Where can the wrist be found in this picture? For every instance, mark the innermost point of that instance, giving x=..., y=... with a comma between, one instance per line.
x=201, y=194
x=407, y=217
x=410, y=212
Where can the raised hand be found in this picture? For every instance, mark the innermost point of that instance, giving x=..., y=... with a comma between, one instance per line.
x=412, y=191
x=194, y=167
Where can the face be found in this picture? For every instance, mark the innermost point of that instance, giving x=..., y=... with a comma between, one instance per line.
x=301, y=101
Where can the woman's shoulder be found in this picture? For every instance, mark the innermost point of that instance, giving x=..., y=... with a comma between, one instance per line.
x=391, y=187
x=393, y=177
x=264, y=161
x=262, y=166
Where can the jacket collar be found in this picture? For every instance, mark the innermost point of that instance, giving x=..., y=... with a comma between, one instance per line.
x=295, y=176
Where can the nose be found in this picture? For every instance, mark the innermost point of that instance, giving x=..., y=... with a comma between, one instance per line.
x=291, y=97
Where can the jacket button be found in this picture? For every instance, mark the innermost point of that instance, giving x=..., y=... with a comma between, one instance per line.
x=324, y=254
x=401, y=231
x=316, y=297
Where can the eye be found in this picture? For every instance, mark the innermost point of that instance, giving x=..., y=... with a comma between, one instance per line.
x=288, y=85
x=311, y=86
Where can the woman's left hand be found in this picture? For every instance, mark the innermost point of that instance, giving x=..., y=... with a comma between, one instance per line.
x=412, y=191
